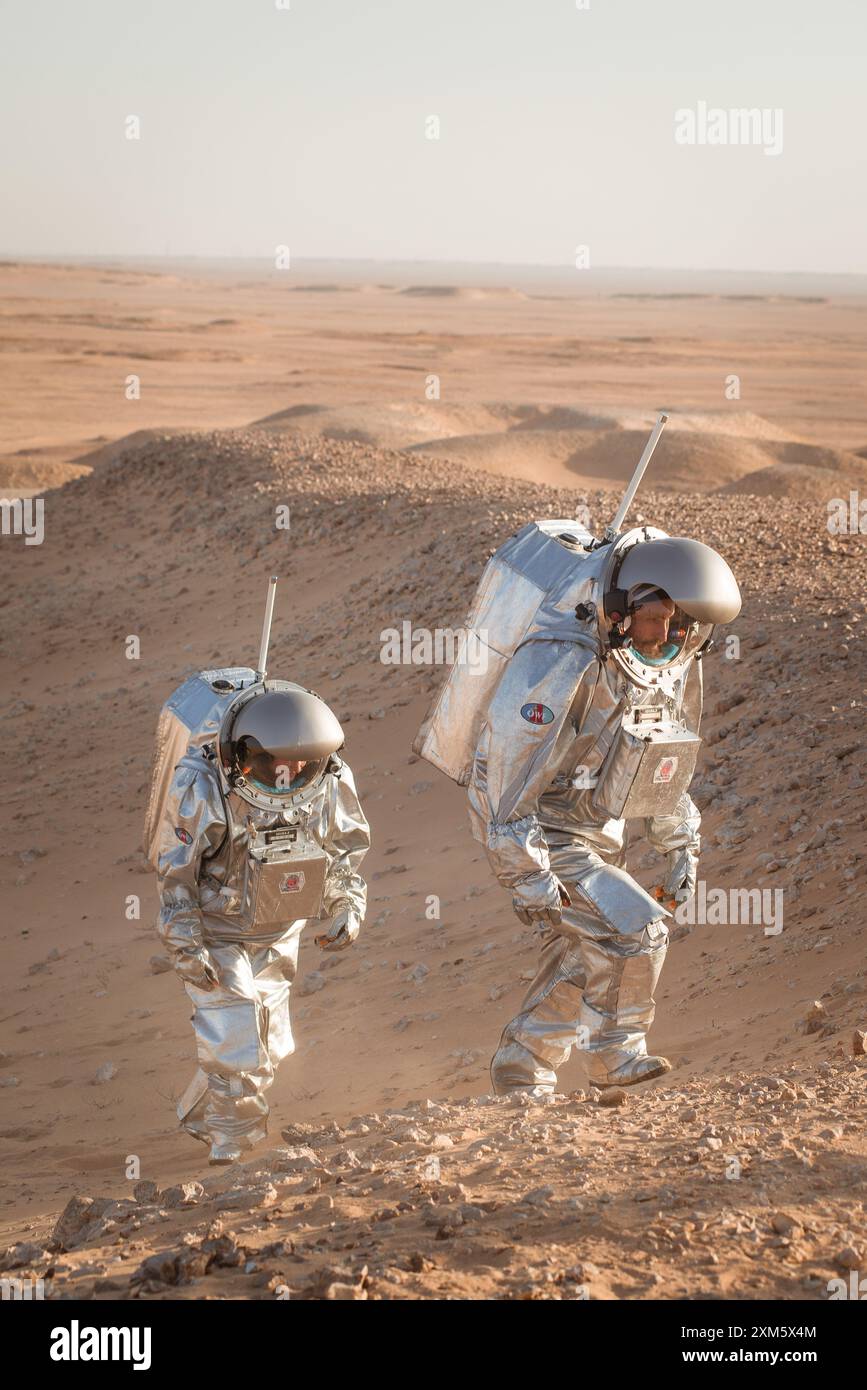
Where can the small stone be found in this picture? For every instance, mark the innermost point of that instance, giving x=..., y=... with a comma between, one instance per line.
x=313, y=982
x=22, y=1254
x=815, y=1018
x=223, y=1250
x=386, y=1214
x=146, y=1192
x=783, y=1224
x=185, y=1194
x=612, y=1095
x=298, y=1159
x=77, y=1215
x=411, y=1134
x=539, y=1196
x=418, y=1263
x=246, y=1198
x=107, y=1072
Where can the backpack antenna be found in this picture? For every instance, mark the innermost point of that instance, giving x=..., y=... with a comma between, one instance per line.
x=262, y=669
x=613, y=530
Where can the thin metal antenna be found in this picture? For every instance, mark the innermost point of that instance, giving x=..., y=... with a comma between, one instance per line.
x=613, y=531
x=262, y=669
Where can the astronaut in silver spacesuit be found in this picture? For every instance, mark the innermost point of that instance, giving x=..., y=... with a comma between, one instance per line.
x=554, y=783
x=262, y=830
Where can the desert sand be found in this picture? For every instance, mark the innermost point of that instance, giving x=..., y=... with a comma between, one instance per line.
x=399, y=1176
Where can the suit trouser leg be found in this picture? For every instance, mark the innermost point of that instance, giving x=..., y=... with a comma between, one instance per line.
x=541, y=1035
x=243, y=1031
x=595, y=982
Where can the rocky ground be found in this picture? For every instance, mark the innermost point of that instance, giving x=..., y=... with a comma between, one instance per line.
x=751, y=1187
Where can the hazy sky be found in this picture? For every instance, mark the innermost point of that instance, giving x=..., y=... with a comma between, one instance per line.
x=307, y=127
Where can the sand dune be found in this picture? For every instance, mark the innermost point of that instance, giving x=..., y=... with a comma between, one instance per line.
x=217, y=346
x=397, y=425
x=561, y=445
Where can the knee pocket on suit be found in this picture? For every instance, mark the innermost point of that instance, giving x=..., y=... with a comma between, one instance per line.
x=646, y=941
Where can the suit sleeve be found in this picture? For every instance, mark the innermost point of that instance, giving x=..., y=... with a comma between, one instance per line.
x=677, y=837
x=517, y=758
x=193, y=826
x=349, y=842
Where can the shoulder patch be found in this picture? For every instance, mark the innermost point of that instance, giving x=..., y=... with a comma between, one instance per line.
x=537, y=714
x=183, y=835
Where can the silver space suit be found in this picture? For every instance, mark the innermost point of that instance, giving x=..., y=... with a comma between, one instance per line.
x=583, y=732
x=245, y=857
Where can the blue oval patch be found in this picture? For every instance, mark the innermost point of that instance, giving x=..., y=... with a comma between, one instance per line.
x=537, y=714
x=183, y=835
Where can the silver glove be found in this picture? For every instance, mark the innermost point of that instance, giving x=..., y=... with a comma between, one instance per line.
x=343, y=931
x=540, y=898
x=196, y=968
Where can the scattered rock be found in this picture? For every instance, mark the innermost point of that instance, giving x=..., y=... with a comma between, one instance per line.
x=299, y=1159
x=185, y=1194
x=146, y=1192
x=815, y=1018
x=246, y=1198
x=612, y=1095
x=22, y=1255
x=313, y=982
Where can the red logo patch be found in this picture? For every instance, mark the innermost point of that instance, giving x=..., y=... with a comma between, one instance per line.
x=292, y=883
x=666, y=770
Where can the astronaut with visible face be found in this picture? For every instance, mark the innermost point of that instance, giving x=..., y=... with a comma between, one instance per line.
x=592, y=724
x=261, y=831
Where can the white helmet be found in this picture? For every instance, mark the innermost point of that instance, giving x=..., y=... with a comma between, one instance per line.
x=694, y=576
x=647, y=565
x=275, y=743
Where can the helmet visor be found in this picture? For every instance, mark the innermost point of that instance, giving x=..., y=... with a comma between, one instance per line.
x=273, y=772
x=684, y=637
